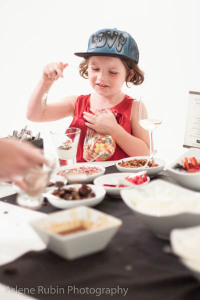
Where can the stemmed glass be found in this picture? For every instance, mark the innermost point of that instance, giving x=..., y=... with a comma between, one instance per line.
x=66, y=145
x=150, y=117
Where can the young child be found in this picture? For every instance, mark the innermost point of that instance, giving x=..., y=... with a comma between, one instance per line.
x=110, y=61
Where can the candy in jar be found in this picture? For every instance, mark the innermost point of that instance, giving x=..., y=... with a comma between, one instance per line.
x=98, y=147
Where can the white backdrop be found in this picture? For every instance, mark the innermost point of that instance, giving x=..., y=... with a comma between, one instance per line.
x=36, y=32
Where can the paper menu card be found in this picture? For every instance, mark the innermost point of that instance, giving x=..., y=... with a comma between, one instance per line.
x=192, y=129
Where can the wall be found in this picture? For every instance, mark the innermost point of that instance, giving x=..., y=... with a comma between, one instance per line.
x=34, y=33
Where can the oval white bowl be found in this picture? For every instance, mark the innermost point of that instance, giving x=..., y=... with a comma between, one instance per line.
x=62, y=203
x=81, y=178
x=150, y=171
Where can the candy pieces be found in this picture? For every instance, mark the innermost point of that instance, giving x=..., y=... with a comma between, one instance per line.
x=80, y=170
x=66, y=145
x=98, y=147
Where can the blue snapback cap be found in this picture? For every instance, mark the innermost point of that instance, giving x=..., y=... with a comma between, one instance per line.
x=111, y=42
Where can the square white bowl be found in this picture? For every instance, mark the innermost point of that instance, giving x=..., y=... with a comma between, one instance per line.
x=189, y=180
x=163, y=206
x=80, y=243
x=150, y=171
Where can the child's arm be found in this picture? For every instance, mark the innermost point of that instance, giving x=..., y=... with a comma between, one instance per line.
x=133, y=145
x=138, y=143
x=37, y=109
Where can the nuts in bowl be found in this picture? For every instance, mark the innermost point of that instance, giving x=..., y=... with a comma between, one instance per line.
x=138, y=163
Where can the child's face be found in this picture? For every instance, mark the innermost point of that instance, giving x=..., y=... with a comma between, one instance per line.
x=106, y=74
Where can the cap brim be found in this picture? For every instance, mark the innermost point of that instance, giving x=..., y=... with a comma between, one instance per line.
x=88, y=54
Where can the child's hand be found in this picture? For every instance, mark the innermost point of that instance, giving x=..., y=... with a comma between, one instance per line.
x=53, y=71
x=101, y=122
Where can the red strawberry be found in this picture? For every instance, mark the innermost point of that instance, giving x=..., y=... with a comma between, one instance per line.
x=185, y=163
x=193, y=161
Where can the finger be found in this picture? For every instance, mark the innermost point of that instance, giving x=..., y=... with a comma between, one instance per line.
x=53, y=72
x=90, y=125
x=88, y=114
x=89, y=118
x=58, y=70
x=21, y=184
x=63, y=66
x=46, y=72
x=34, y=155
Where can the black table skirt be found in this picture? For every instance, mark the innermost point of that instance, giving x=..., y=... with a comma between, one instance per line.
x=133, y=260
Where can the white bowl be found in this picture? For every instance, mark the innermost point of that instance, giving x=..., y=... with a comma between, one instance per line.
x=150, y=171
x=62, y=203
x=185, y=244
x=79, y=243
x=80, y=178
x=189, y=180
x=116, y=178
x=163, y=206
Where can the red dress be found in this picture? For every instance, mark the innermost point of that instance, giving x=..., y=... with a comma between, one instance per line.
x=122, y=112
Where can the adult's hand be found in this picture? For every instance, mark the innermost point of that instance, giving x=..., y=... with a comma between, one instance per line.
x=16, y=158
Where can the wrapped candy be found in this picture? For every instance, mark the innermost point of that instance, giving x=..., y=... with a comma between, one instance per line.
x=97, y=146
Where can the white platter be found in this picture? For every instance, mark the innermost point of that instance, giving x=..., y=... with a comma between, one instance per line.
x=62, y=203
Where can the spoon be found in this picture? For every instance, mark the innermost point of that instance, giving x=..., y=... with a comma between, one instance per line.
x=150, y=158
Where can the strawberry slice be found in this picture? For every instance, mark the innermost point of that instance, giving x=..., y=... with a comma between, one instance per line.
x=193, y=161
x=185, y=163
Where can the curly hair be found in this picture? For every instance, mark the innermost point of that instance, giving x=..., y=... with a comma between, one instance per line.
x=137, y=79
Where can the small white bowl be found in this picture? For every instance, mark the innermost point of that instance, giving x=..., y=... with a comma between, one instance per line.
x=189, y=180
x=150, y=171
x=79, y=243
x=62, y=203
x=185, y=244
x=115, y=178
x=81, y=178
x=163, y=206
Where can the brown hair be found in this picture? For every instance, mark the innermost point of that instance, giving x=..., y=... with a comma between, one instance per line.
x=137, y=79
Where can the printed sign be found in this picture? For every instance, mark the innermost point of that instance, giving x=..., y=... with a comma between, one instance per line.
x=192, y=129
